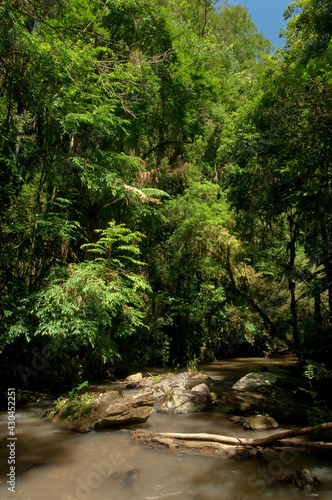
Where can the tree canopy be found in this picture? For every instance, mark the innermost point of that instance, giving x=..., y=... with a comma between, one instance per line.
x=165, y=184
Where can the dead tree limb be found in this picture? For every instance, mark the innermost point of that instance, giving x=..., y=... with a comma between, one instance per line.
x=169, y=439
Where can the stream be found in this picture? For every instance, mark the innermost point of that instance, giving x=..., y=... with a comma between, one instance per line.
x=53, y=464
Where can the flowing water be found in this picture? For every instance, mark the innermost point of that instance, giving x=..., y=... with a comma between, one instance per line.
x=52, y=464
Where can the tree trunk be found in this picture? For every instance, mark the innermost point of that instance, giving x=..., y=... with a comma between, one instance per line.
x=328, y=272
x=317, y=309
x=291, y=283
x=214, y=444
x=266, y=320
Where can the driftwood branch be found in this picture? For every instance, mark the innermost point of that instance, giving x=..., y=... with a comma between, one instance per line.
x=208, y=448
x=264, y=442
x=214, y=443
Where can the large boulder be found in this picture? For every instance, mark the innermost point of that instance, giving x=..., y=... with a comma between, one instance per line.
x=159, y=389
x=129, y=410
x=184, y=401
x=110, y=409
x=282, y=397
x=172, y=395
x=255, y=381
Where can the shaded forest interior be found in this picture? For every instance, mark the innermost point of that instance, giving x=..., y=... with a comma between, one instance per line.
x=165, y=188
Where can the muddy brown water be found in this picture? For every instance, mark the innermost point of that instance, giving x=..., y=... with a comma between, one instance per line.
x=52, y=464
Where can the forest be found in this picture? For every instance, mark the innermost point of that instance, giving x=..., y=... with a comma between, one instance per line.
x=165, y=189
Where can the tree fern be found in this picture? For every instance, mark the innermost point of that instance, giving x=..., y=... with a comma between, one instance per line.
x=96, y=301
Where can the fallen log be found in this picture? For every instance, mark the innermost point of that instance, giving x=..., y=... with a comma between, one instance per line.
x=206, y=448
x=227, y=445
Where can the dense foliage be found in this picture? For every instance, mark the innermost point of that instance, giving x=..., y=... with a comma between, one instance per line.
x=165, y=185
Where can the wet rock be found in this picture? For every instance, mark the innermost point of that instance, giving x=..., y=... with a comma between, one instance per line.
x=259, y=423
x=203, y=388
x=237, y=419
x=254, y=381
x=302, y=479
x=184, y=401
x=134, y=379
x=127, y=478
